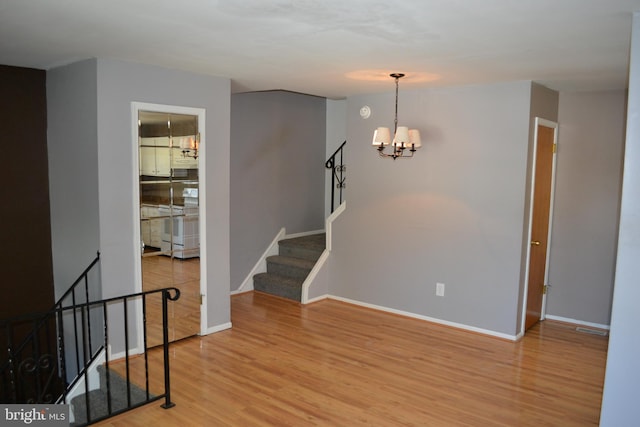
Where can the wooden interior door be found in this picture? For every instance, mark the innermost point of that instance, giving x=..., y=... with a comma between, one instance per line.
x=543, y=178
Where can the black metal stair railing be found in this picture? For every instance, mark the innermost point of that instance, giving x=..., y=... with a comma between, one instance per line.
x=119, y=308
x=29, y=370
x=338, y=178
x=48, y=353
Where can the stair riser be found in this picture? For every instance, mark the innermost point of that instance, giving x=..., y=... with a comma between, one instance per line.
x=287, y=270
x=303, y=253
x=285, y=292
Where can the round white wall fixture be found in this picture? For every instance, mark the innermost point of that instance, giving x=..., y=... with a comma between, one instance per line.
x=365, y=112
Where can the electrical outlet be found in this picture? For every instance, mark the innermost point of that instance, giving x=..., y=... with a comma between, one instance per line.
x=440, y=289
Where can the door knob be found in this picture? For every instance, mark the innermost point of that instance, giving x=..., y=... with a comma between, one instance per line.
x=535, y=243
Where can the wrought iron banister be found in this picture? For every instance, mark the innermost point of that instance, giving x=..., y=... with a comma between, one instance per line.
x=338, y=178
x=37, y=371
x=83, y=278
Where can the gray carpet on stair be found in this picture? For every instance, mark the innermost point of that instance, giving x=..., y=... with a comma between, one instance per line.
x=98, y=402
x=287, y=271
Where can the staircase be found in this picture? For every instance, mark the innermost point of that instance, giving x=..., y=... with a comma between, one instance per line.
x=122, y=396
x=287, y=271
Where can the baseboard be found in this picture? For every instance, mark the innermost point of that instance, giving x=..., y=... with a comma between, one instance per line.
x=316, y=299
x=123, y=354
x=428, y=319
x=577, y=322
x=218, y=328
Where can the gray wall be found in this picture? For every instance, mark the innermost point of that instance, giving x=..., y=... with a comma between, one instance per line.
x=587, y=199
x=452, y=214
x=119, y=84
x=73, y=163
x=277, y=171
x=108, y=88
x=622, y=380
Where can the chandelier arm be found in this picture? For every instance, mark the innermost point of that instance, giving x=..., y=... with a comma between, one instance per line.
x=397, y=153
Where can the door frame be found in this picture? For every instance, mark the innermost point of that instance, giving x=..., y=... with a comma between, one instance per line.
x=201, y=114
x=553, y=125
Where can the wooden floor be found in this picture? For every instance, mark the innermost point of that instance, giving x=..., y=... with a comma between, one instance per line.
x=184, y=314
x=335, y=364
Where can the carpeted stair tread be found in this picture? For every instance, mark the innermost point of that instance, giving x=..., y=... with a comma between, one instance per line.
x=275, y=284
x=307, y=247
x=98, y=398
x=98, y=404
x=287, y=271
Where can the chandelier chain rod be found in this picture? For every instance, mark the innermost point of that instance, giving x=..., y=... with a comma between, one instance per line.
x=395, y=121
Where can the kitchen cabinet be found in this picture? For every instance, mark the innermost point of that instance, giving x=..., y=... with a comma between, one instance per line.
x=155, y=157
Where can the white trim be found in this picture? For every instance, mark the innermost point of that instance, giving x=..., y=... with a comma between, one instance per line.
x=217, y=328
x=329, y=223
x=261, y=265
x=306, y=285
x=316, y=299
x=428, y=319
x=577, y=322
x=546, y=123
x=137, y=251
x=121, y=355
x=304, y=298
x=92, y=375
x=304, y=233
x=201, y=113
x=202, y=216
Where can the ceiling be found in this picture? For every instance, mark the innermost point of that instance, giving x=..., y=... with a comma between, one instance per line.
x=334, y=48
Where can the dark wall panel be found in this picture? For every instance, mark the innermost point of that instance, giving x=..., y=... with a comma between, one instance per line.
x=26, y=277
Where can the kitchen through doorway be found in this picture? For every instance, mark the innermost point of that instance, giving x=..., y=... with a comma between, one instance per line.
x=169, y=154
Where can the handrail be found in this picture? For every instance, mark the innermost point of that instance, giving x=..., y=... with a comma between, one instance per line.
x=327, y=164
x=83, y=275
x=337, y=175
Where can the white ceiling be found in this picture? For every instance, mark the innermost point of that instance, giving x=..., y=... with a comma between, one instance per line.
x=334, y=48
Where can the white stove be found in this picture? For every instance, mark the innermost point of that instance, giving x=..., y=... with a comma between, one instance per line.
x=183, y=233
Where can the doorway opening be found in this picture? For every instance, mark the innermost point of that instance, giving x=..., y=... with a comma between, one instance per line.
x=541, y=210
x=168, y=148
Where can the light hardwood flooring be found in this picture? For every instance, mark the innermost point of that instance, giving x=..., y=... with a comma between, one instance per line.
x=335, y=364
x=184, y=314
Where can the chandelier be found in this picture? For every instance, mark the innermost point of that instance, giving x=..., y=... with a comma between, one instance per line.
x=405, y=141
